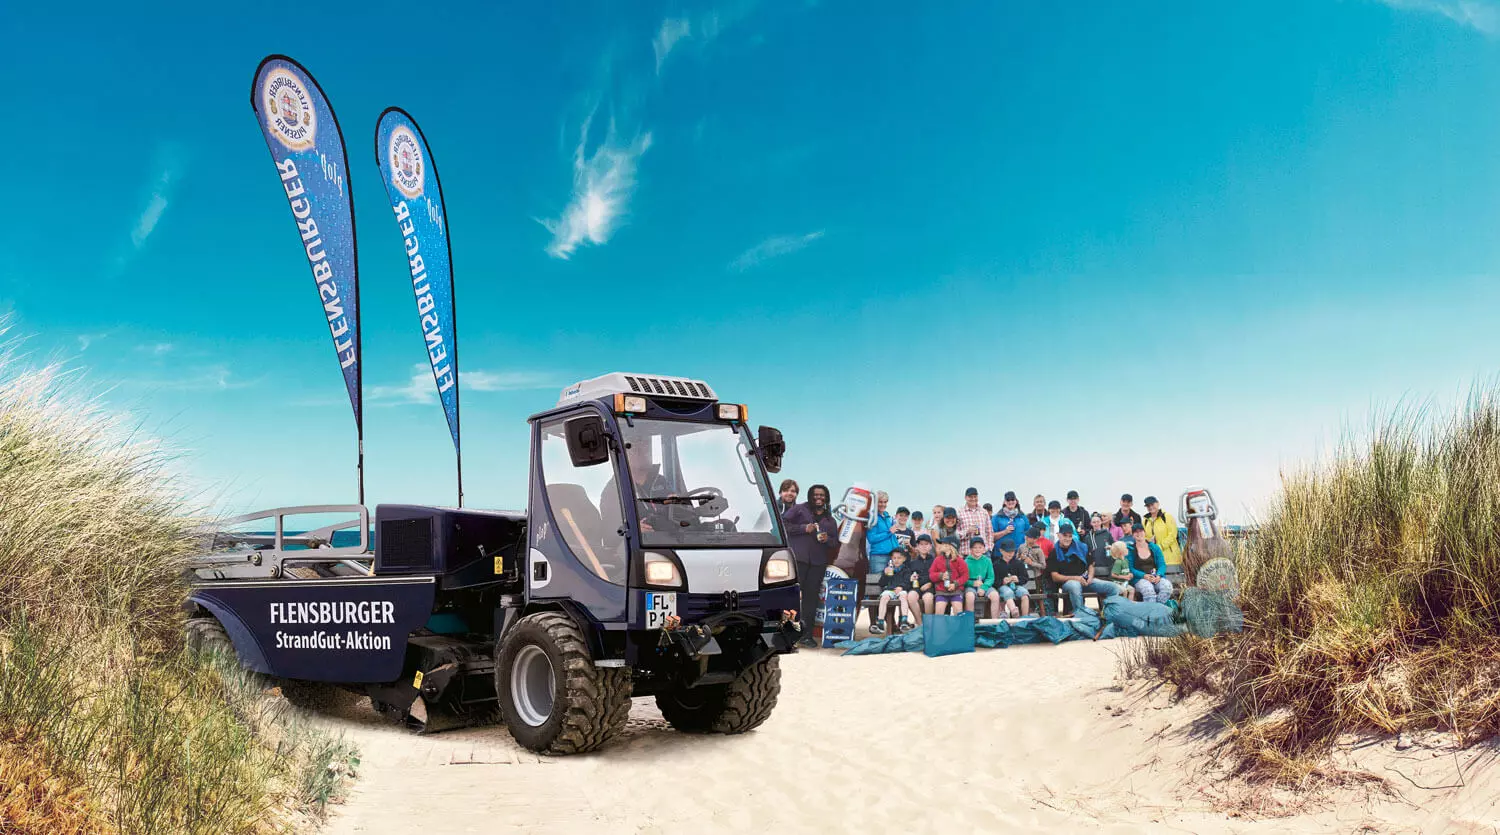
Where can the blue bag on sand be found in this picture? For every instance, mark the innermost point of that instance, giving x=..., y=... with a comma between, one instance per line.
x=947, y=634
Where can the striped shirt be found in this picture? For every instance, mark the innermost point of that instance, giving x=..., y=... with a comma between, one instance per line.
x=976, y=518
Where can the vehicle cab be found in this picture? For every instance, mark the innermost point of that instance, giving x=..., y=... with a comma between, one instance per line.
x=651, y=515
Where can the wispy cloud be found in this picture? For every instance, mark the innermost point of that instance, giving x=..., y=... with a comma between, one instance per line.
x=87, y=339
x=156, y=349
x=603, y=180
x=773, y=247
x=169, y=165
x=672, y=30
x=1482, y=15
x=169, y=168
x=420, y=389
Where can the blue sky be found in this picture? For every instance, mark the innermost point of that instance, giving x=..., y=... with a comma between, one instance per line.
x=1031, y=245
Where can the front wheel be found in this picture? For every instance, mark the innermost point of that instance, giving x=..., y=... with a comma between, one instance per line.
x=741, y=705
x=554, y=700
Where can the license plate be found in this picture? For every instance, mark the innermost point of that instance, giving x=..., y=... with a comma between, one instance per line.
x=659, y=604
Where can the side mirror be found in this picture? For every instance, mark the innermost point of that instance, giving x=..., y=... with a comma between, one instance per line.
x=587, y=442
x=772, y=448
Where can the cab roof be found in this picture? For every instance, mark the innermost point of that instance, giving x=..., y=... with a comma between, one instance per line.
x=619, y=382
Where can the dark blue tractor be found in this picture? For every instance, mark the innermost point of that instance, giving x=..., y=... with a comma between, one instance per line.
x=650, y=562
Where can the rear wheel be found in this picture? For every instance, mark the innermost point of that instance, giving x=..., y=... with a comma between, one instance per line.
x=206, y=638
x=741, y=705
x=551, y=695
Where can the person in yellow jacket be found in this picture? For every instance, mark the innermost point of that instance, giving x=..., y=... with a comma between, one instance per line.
x=1161, y=528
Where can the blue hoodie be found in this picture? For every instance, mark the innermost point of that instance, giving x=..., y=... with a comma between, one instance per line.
x=879, y=538
x=1134, y=558
x=1018, y=536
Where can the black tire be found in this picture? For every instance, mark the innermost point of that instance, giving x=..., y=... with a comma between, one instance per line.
x=587, y=706
x=733, y=708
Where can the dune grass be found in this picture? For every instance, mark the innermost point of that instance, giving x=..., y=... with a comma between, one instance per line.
x=106, y=724
x=1371, y=595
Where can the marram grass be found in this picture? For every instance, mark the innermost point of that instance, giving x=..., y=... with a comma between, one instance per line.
x=1371, y=595
x=106, y=725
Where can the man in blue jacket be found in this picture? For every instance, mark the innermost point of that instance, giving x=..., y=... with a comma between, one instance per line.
x=1070, y=568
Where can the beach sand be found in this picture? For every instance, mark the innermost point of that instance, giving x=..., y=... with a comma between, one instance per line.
x=1033, y=735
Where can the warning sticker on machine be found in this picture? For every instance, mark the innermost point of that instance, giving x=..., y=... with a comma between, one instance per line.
x=659, y=606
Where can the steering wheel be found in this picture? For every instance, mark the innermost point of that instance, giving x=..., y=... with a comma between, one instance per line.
x=704, y=502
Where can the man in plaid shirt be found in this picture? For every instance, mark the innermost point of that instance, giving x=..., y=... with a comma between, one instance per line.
x=973, y=521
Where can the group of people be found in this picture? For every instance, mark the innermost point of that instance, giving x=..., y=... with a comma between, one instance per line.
x=960, y=555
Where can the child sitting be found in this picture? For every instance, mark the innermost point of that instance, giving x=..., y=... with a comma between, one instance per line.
x=1012, y=576
x=1119, y=572
x=949, y=575
x=919, y=593
x=981, y=578
x=895, y=582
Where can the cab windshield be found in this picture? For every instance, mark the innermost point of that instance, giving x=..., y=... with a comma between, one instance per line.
x=697, y=484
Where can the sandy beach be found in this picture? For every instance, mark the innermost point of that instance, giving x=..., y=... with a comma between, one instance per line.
x=1026, y=736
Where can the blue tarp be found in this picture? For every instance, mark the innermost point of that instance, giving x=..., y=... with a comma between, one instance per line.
x=1122, y=619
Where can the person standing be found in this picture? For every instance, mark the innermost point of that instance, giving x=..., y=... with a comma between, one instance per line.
x=1053, y=521
x=948, y=527
x=1009, y=524
x=1161, y=528
x=1098, y=540
x=902, y=530
x=1125, y=518
x=880, y=539
x=1038, y=509
x=973, y=521
x=919, y=526
x=1075, y=513
x=786, y=498
x=813, y=536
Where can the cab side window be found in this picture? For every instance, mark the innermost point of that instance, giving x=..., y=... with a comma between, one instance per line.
x=590, y=529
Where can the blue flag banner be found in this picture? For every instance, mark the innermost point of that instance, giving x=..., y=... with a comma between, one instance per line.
x=411, y=181
x=312, y=165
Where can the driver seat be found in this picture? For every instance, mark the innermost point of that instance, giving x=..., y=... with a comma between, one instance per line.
x=583, y=530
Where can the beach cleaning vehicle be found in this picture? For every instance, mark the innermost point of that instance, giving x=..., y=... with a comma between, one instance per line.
x=650, y=561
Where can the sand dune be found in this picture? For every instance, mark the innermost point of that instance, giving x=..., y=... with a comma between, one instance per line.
x=1024, y=736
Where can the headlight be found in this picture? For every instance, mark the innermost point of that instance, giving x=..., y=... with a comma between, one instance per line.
x=779, y=568
x=661, y=571
x=629, y=404
x=732, y=411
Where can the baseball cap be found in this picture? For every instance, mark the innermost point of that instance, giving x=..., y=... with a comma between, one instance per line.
x=1007, y=546
x=1065, y=528
x=917, y=515
x=1054, y=504
x=1137, y=527
x=1151, y=500
x=972, y=491
x=950, y=513
x=924, y=538
x=1072, y=494
x=1126, y=497
x=901, y=510
x=978, y=540
x=1034, y=532
x=1010, y=495
x=989, y=507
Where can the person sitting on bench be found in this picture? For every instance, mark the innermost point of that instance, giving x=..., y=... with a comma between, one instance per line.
x=949, y=575
x=919, y=594
x=895, y=582
x=1147, y=565
x=981, y=578
x=1070, y=568
x=1012, y=576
